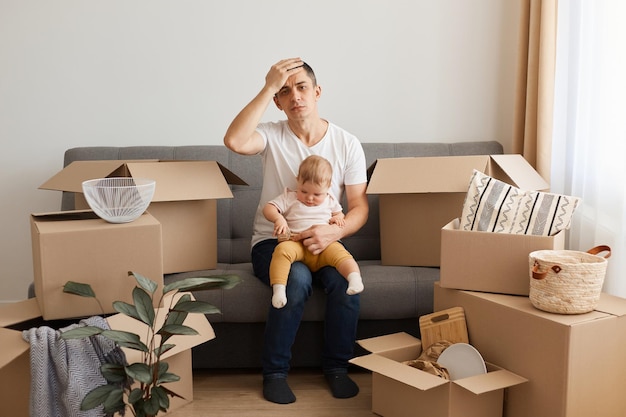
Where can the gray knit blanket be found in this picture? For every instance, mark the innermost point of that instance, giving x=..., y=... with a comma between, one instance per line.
x=64, y=371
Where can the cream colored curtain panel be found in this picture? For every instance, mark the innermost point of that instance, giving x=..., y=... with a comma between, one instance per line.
x=535, y=83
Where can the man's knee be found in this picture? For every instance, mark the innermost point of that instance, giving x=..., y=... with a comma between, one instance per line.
x=299, y=283
x=332, y=280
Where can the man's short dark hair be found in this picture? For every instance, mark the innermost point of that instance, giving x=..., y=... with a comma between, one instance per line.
x=310, y=73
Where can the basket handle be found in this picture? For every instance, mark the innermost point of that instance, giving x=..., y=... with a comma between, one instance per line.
x=599, y=249
x=593, y=251
x=541, y=275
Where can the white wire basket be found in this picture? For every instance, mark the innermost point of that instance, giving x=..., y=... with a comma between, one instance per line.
x=119, y=199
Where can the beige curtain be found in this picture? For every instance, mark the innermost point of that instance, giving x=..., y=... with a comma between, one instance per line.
x=535, y=83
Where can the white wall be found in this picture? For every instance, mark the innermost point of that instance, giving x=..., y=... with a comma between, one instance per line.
x=155, y=72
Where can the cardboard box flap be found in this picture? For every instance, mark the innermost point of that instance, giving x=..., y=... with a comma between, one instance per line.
x=523, y=304
x=515, y=170
x=79, y=220
x=424, y=174
x=56, y=216
x=449, y=174
x=611, y=304
x=385, y=343
x=179, y=181
x=72, y=176
x=230, y=176
x=18, y=312
x=398, y=371
x=491, y=381
x=198, y=322
x=176, y=180
x=13, y=345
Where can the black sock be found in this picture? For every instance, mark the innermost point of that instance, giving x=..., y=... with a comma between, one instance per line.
x=277, y=390
x=341, y=385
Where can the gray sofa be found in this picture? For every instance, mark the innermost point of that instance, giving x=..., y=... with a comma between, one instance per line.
x=394, y=296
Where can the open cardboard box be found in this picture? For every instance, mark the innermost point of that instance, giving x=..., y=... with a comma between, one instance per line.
x=490, y=262
x=576, y=364
x=15, y=358
x=419, y=195
x=399, y=390
x=79, y=246
x=184, y=202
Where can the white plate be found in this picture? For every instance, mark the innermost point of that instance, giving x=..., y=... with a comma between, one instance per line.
x=462, y=361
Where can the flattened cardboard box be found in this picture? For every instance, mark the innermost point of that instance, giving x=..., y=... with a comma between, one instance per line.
x=184, y=202
x=15, y=358
x=79, y=246
x=419, y=195
x=490, y=262
x=576, y=364
x=399, y=390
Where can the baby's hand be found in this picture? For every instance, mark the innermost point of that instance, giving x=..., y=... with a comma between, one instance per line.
x=280, y=227
x=338, y=219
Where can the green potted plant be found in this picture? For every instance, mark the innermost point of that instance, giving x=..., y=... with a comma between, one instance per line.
x=149, y=394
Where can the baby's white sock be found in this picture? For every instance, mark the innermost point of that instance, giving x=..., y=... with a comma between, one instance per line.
x=279, y=297
x=355, y=283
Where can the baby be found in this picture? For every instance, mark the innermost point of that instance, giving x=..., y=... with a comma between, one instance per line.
x=295, y=211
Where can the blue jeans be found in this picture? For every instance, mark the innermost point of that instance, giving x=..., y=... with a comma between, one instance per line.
x=341, y=318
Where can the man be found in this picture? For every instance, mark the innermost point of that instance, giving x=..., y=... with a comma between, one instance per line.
x=292, y=86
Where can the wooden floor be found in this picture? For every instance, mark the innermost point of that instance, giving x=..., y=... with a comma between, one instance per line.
x=238, y=393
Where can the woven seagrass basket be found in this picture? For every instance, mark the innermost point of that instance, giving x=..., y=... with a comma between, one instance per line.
x=567, y=281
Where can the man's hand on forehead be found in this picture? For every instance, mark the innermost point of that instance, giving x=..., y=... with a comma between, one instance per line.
x=297, y=66
x=282, y=70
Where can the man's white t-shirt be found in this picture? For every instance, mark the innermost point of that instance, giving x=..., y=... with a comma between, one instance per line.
x=283, y=154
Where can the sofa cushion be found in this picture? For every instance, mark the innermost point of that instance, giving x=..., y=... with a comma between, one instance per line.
x=391, y=292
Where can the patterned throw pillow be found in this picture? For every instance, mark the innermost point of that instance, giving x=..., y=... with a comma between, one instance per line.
x=494, y=206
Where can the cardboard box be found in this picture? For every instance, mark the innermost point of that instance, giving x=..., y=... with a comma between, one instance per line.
x=399, y=390
x=79, y=246
x=184, y=202
x=490, y=262
x=418, y=196
x=15, y=358
x=575, y=363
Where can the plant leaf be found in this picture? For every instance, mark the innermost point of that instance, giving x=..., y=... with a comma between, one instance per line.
x=168, y=377
x=171, y=393
x=77, y=288
x=114, y=401
x=176, y=329
x=143, y=304
x=126, y=339
x=138, y=410
x=126, y=309
x=163, y=348
x=164, y=401
x=135, y=395
x=113, y=373
x=175, y=317
x=145, y=283
x=184, y=297
x=151, y=407
x=163, y=367
x=81, y=332
x=196, y=307
x=96, y=396
x=203, y=283
x=140, y=372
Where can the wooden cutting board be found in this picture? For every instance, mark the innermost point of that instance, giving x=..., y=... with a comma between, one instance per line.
x=444, y=325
